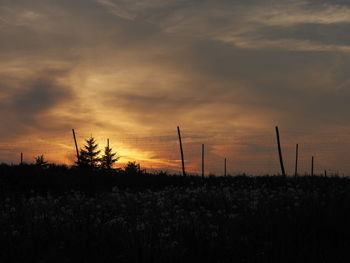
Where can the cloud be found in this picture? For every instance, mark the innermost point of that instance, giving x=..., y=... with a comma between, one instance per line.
x=289, y=13
x=284, y=44
x=148, y=10
x=216, y=68
x=115, y=9
x=245, y=25
x=26, y=101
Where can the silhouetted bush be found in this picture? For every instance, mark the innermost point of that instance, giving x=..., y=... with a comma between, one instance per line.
x=40, y=161
x=132, y=169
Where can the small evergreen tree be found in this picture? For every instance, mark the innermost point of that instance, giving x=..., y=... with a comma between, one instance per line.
x=88, y=156
x=108, y=159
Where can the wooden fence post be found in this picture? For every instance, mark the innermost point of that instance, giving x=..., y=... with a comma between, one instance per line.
x=296, y=160
x=76, y=145
x=225, y=168
x=182, y=153
x=280, y=151
x=203, y=161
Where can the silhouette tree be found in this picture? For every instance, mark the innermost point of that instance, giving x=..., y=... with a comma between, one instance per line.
x=40, y=161
x=88, y=156
x=108, y=159
x=132, y=169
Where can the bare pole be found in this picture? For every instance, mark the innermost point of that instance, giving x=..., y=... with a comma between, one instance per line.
x=202, y=160
x=312, y=166
x=296, y=160
x=108, y=143
x=325, y=173
x=182, y=153
x=225, y=167
x=280, y=151
x=21, y=158
x=76, y=145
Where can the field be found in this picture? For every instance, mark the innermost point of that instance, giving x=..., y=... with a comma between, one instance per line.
x=62, y=214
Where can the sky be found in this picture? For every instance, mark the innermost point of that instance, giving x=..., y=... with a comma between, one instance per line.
x=226, y=72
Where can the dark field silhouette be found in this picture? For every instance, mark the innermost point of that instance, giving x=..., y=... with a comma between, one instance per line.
x=59, y=214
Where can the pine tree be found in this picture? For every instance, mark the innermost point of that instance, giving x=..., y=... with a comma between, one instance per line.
x=88, y=156
x=108, y=158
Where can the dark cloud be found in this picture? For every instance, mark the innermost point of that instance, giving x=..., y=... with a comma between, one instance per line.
x=26, y=102
x=331, y=34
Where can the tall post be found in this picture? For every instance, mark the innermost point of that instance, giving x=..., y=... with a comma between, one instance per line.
x=202, y=160
x=182, y=153
x=325, y=173
x=296, y=160
x=280, y=151
x=225, y=167
x=108, y=143
x=76, y=145
x=21, y=158
x=312, y=166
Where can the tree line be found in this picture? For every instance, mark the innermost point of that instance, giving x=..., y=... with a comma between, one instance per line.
x=90, y=158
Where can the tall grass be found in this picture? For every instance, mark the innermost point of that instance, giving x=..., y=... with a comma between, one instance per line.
x=58, y=215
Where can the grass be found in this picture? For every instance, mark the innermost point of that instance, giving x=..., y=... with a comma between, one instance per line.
x=68, y=215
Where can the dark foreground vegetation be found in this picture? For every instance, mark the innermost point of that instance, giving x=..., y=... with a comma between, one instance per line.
x=60, y=214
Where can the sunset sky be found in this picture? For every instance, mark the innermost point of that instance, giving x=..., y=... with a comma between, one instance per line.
x=227, y=72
